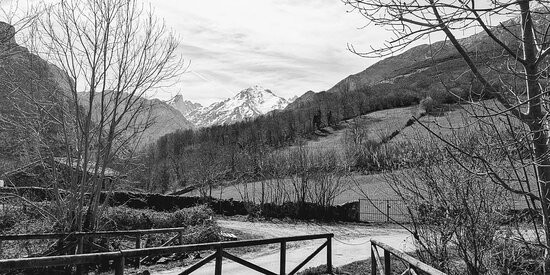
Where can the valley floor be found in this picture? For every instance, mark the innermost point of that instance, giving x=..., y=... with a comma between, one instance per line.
x=349, y=245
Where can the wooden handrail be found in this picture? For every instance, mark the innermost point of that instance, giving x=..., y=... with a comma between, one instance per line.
x=153, y=251
x=91, y=234
x=413, y=262
x=119, y=256
x=40, y=262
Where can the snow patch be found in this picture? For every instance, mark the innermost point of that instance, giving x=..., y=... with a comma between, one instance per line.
x=248, y=103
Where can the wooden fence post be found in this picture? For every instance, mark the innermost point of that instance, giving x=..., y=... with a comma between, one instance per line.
x=282, y=265
x=329, y=255
x=138, y=246
x=119, y=266
x=219, y=258
x=80, y=250
x=387, y=262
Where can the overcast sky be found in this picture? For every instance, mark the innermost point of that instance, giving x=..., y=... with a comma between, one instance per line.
x=287, y=46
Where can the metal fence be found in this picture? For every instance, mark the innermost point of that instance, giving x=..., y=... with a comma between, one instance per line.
x=382, y=211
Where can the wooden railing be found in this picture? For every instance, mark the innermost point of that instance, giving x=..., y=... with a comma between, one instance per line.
x=119, y=233
x=83, y=238
x=119, y=257
x=413, y=265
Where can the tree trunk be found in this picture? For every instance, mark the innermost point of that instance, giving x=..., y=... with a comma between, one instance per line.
x=536, y=119
x=541, y=148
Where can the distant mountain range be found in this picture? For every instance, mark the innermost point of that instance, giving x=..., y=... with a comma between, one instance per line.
x=422, y=70
x=425, y=70
x=156, y=119
x=26, y=78
x=248, y=103
x=184, y=106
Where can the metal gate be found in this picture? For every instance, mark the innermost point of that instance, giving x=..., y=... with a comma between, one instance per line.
x=382, y=211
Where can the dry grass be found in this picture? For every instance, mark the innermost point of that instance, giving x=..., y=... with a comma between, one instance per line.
x=356, y=186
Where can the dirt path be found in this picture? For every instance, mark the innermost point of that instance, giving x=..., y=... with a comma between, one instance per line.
x=349, y=244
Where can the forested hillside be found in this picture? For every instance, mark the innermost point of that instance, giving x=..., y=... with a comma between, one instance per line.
x=32, y=93
x=233, y=150
x=431, y=73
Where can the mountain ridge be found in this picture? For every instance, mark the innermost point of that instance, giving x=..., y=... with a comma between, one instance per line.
x=184, y=106
x=247, y=104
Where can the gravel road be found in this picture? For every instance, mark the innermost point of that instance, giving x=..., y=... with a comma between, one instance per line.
x=349, y=245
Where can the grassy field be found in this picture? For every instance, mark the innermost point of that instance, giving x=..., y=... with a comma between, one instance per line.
x=459, y=118
x=378, y=124
x=354, y=187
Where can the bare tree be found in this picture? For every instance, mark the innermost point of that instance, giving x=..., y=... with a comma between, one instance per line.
x=515, y=76
x=112, y=54
x=454, y=214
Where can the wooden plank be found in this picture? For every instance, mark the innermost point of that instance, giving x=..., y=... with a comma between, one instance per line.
x=219, y=259
x=373, y=264
x=247, y=264
x=152, y=251
x=136, y=232
x=38, y=262
x=199, y=264
x=297, y=268
x=417, y=264
x=137, y=260
x=387, y=263
x=90, y=234
x=80, y=250
x=282, y=259
x=119, y=266
x=379, y=266
x=329, y=255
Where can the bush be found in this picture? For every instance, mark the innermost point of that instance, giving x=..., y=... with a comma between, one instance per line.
x=511, y=257
x=9, y=217
x=124, y=218
x=427, y=104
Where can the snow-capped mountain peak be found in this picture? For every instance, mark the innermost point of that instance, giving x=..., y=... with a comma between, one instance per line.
x=184, y=106
x=248, y=103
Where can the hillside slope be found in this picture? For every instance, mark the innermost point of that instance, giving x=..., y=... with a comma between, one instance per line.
x=426, y=70
x=35, y=94
x=32, y=91
x=155, y=119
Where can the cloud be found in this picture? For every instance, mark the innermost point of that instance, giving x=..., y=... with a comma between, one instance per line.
x=287, y=46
